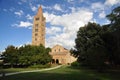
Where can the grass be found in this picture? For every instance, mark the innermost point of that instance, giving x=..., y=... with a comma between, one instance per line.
x=10, y=70
x=65, y=73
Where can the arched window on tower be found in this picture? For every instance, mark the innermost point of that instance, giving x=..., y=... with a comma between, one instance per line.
x=36, y=25
x=36, y=30
x=35, y=39
x=36, y=34
x=36, y=19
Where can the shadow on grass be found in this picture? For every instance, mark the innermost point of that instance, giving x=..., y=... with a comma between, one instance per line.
x=109, y=74
x=49, y=76
x=64, y=73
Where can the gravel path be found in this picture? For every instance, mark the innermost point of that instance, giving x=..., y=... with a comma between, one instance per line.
x=8, y=74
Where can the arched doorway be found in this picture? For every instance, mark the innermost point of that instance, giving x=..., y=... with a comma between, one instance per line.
x=57, y=61
x=53, y=61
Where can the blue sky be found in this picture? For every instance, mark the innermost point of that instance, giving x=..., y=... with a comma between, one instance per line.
x=63, y=19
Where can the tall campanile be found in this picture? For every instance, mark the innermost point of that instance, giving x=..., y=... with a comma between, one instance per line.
x=38, y=30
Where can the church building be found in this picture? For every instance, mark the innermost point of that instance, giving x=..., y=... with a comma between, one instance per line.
x=59, y=54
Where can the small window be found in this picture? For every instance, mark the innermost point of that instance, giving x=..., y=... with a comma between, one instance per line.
x=36, y=25
x=36, y=34
x=59, y=50
x=37, y=19
x=35, y=39
x=55, y=50
x=36, y=30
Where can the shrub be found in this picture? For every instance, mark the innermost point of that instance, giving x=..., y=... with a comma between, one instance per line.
x=75, y=64
x=41, y=66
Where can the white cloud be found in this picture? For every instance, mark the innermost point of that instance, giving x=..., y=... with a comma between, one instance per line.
x=29, y=17
x=45, y=7
x=70, y=24
x=70, y=1
x=60, y=39
x=74, y=1
x=49, y=17
x=112, y=2
x=19, y=13
x=33, y=8
x=71, y=20
x=20, y=45
x=23, y=24
x=107, y=22
x=94, y=20
x=102, y=14
x=57, y=7
x=72, y=9
x=53, y=30
x=97, y=6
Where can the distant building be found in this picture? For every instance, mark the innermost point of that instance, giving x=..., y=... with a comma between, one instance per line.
x=60, y=55
x=38, y=31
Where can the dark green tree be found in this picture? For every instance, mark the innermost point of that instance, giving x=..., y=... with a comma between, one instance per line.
x=114, y=17
x=89, y=46
x=98, y=45
x=30, y=55
x=27, y=55
x=11, y=55
x=114, y=37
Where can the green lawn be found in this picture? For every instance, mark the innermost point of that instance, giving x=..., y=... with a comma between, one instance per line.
x=65, y=73
x=11, y=70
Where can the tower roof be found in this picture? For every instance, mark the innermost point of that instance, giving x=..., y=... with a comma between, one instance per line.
x=40, y=12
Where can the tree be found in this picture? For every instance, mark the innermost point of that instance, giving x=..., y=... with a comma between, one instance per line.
x=34, y=55
x=114, y=17
x=11, y=55
x=89, y=46
x=27, y=55
x=43, y=56
x=97, y=45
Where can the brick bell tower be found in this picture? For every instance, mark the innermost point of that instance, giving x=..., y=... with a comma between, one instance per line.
x=38, y=30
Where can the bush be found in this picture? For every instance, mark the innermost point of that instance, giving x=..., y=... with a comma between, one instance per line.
x=41, y=66
x=75, y=64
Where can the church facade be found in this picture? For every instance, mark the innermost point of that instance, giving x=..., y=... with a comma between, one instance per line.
x=59, y=54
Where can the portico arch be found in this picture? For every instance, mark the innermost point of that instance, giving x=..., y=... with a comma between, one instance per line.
x=57, y=61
